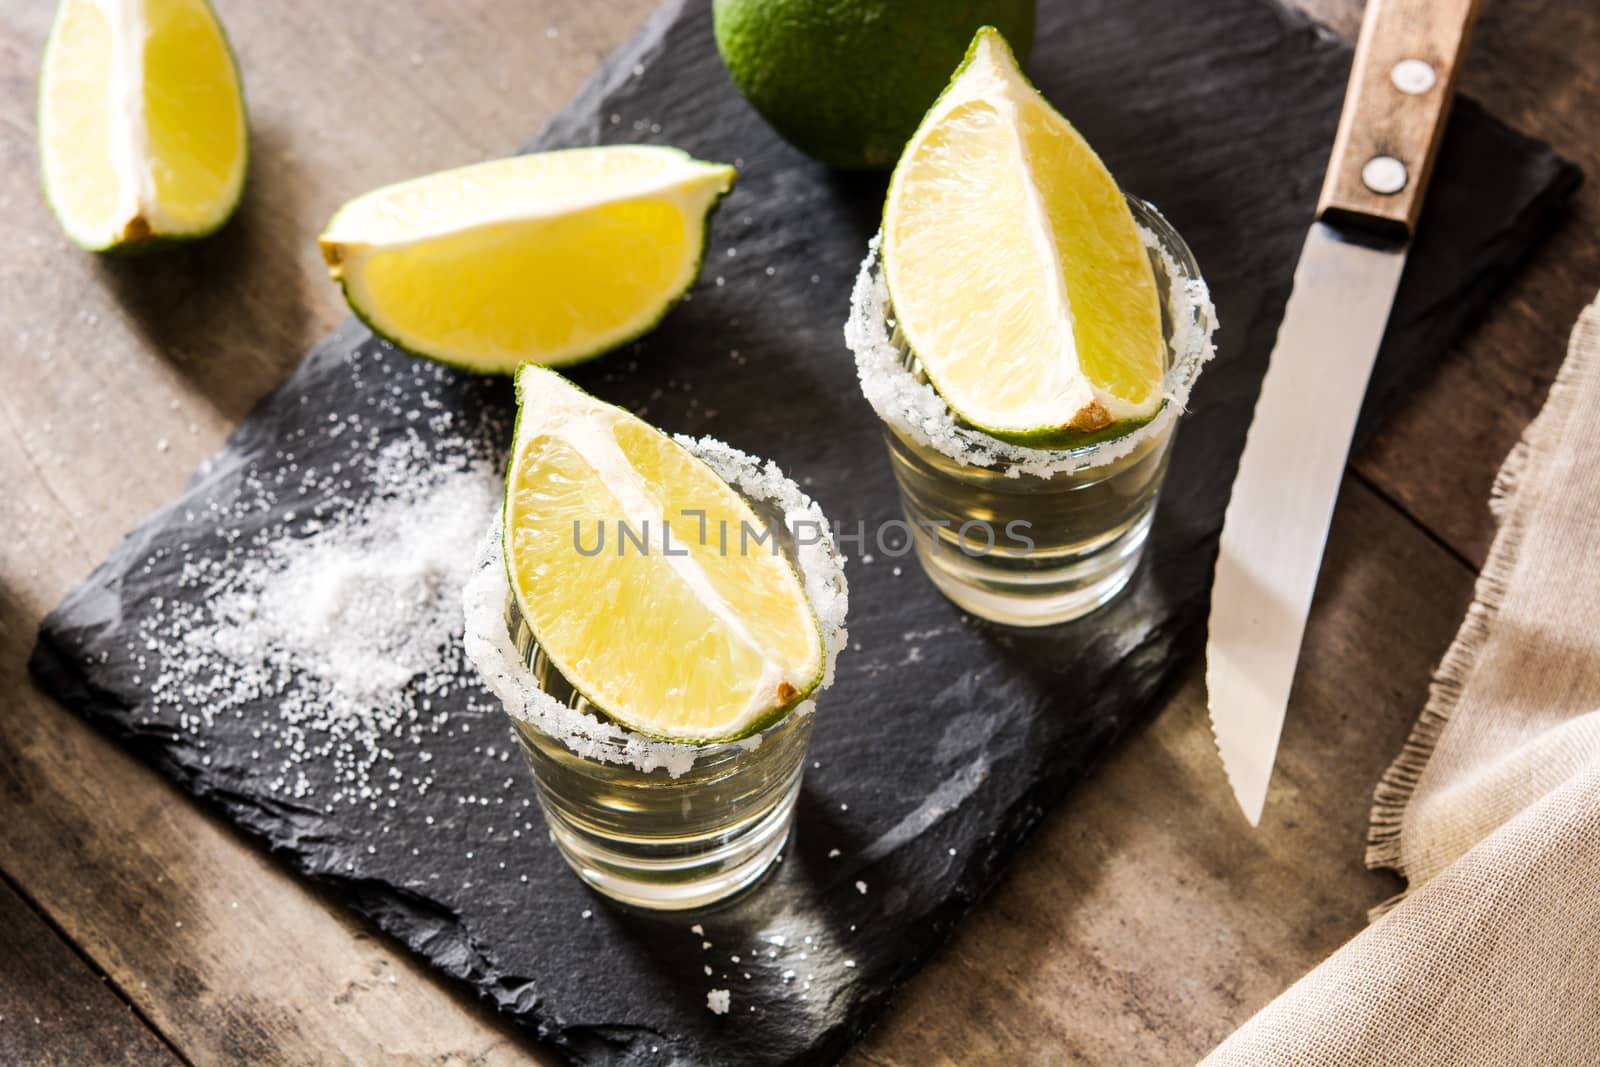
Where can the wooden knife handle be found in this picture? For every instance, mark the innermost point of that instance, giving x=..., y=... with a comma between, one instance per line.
x=1401, y=84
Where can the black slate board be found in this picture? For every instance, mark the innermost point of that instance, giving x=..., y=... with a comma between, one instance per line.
x=1222, y=116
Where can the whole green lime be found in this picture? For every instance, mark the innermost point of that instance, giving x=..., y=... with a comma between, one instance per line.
x=847, y=81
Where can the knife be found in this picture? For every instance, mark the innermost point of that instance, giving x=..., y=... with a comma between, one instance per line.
x=1277, y=520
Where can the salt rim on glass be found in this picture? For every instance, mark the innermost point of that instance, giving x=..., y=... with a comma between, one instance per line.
x=917, y=410
x=490, y=647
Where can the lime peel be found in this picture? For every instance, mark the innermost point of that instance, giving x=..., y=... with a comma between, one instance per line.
x=143, y=134
x=846, y=83
x=1017, y=270
x=490, y=647
x=555, y=257
x=914, y=408
x=688, y=636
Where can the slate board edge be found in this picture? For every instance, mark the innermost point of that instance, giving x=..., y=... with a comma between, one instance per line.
x=436, y=933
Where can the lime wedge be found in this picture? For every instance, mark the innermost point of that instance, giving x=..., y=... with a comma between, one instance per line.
x=551, y=258
x=142, y=132
x=1015, y=268
x=702, y=634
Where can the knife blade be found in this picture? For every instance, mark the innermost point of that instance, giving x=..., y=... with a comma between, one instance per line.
x=1276, y=524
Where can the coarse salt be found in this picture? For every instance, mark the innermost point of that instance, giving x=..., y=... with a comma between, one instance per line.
x=915, y=409
x=340, y=617
x=490, y=647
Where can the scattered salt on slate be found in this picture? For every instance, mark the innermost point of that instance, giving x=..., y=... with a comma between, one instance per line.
x=964, y=752
x=347, y=619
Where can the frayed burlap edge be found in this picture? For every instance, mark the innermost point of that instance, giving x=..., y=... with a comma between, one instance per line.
x=1508, y=503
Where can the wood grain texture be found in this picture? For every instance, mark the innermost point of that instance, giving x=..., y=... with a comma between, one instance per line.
x=121, y=377
x=1146, y=920
x=1382, y=121
x=1532, y=64
x=54, y=1009
x=231, y=958
x=228, y=955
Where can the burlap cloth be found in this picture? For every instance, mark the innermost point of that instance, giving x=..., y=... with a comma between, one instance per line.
x=1492, y=811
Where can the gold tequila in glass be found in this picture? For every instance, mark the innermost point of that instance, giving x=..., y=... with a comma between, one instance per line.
x=1023, y=536
x=652, y=823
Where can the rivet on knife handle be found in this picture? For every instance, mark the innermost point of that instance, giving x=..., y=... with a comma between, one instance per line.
x=1401, y=83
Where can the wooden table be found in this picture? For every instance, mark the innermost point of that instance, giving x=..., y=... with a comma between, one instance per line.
x=1144, y=921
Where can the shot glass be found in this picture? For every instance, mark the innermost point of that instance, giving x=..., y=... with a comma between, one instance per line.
x=659, y=824
x=1025, y=536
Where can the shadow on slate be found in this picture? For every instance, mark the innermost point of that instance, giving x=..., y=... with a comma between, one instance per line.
x=945, y=739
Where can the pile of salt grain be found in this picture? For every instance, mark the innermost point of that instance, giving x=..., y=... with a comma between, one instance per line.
x=348, y=627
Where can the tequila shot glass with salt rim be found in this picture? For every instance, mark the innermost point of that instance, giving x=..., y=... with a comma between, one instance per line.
x=652, y=823
x=1025, y=536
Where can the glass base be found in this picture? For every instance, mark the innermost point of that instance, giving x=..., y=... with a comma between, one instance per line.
x=1021, y=592
x=680, y=874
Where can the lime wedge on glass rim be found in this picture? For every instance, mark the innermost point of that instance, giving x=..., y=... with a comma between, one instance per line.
x=143, y=139
x=554, y=257
x=703, y=634
x=1015, y=268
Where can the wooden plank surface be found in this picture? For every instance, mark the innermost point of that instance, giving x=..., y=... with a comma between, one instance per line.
x=1145, y=921
x=230, y=957
x=123, y=376
x=54, y=1009
x=1532, y=64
